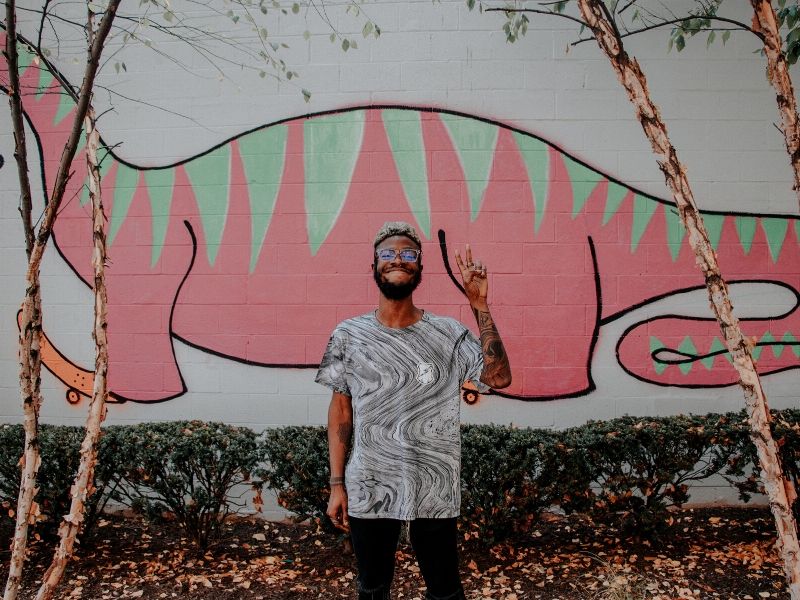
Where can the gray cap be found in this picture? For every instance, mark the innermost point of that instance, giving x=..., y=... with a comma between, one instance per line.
x=392, y=228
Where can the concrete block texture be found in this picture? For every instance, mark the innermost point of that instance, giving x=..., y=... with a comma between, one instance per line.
x=242, y=215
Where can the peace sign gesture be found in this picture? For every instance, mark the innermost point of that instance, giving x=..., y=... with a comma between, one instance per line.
x=473, y=275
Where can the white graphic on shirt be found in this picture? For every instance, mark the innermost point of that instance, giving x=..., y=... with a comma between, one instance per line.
x=425, y=373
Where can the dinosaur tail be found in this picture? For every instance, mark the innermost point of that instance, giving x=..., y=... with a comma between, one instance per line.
x=673, y=350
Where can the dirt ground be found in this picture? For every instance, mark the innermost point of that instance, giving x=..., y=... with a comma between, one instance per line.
x=710, y=553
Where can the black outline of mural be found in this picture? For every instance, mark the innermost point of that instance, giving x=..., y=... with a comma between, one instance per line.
x=442, y=243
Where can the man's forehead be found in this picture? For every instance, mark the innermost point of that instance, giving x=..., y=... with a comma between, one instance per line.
x=397, y=241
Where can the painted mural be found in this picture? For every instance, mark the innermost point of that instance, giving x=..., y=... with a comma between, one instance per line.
x=254, y=249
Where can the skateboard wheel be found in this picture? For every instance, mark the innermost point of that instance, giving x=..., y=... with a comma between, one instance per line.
x=470, y=396
x=73, y=397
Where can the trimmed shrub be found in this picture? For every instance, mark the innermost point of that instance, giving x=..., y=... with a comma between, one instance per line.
x=186, y=470
x=298, y=471
x=60, y=455
x=639, y=467
x=505, y=480
x=744, y=471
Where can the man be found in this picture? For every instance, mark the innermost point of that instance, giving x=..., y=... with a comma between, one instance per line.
x=396, y=375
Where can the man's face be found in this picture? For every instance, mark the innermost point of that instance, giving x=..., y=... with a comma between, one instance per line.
x=397, y=278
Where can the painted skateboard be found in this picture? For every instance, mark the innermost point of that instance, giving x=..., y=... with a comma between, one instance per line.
x=78, y=380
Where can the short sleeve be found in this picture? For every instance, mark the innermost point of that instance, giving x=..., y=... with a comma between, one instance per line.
x=470, y=357
x=332, y=372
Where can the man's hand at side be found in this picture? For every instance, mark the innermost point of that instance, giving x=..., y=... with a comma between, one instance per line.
x=340, y=430
x=337, y=507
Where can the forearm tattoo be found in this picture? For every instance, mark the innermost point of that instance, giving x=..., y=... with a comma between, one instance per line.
x=345, y=433
x=496, y=368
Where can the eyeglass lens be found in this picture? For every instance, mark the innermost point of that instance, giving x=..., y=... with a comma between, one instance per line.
x=406, y=255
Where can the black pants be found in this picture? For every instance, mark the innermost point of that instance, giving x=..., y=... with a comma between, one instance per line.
x=435, y=545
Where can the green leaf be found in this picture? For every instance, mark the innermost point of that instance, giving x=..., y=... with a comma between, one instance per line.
x=470, y=4
x=725, y=37
x=368, y=28
x=306, y=95
x=306, y=35
x=680, y=43
x=710, y=40
x=295, y=8
x=354, y=44
x=168, y=16
x=345, y=44
x=332, y=37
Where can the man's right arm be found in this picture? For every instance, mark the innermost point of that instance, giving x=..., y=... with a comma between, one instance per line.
x=340, y=431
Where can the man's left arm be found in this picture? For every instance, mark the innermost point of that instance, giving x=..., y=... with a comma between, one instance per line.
x=496, y=368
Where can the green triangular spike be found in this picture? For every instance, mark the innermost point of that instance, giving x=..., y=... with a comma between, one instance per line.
x=675, y=231
x=746, y=229
x=65, y=106
x=616, y=194
x=797, y=230
x=768, y=340
x=775, y=229
x=790, y=339
x=404, y=131
x=714, y=224
x=716, y=346
x=105, y=165
x=210, y=177
x=583, y=180
x=263, y=155
x=159, y=184
x=125, y=184
x=475, y=142
x=45, y=79
x=643, y=209
x=656, y=344
x=687, y=346
x=536, y=157
x=332, y=145
x=24, y=57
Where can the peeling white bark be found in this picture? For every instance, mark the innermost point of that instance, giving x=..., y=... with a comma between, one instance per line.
x=780, y=491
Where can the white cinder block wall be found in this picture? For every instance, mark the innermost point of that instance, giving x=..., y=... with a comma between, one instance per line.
x=718, y=106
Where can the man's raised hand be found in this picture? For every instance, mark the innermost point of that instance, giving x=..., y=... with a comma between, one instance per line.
x=473, y=276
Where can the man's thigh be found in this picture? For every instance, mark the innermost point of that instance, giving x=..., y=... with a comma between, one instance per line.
x=435, y=543
x=374, y=544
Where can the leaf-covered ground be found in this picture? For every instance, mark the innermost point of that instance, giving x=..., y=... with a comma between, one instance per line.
x=710, y=553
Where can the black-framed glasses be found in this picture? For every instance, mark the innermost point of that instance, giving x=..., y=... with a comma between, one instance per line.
x=406, y=254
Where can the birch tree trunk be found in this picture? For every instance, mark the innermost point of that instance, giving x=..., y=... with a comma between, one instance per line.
x=83, y=486
x=780, y=490
x=765, y=23
x=31, y=316
x=30, y=334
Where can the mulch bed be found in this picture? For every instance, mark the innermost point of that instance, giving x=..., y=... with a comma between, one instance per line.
x=709, y=553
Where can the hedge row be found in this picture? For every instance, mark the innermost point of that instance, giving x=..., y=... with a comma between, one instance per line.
x=628, y=471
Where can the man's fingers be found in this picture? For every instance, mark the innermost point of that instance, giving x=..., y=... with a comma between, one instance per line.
x=460, y=262
x=469, y=255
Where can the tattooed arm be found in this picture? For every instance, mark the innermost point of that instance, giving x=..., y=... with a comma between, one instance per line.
x=496, y=368
x=340, y=431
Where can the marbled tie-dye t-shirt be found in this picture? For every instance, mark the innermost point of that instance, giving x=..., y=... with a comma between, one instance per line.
x=405, y=387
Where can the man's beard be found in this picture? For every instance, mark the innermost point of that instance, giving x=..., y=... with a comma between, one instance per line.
x=397, y=291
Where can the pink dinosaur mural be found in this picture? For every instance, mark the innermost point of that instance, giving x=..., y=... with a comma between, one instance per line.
x=254, y=249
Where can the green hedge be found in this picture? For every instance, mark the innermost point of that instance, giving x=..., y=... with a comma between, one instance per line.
x=191, y=471
x=629, y=471
x=60, y=451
